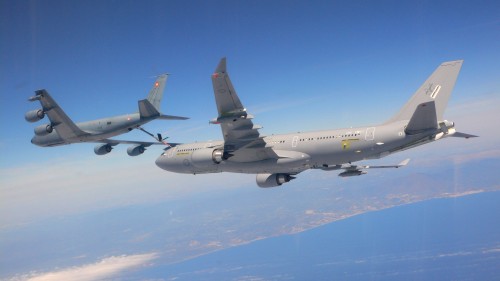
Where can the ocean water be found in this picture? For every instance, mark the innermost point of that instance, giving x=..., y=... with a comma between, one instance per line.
x=439, y=239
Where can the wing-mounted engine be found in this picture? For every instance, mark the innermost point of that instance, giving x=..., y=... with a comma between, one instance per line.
x=103, y=149
x=34, y=115
x=272, y=180
x=207, y=157
x=136, y=150
x=43, y=130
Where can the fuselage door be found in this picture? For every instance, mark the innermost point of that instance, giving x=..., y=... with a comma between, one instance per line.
x=370, y=134
x=295, y=141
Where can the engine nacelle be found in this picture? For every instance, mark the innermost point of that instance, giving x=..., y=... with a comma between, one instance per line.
x=272, y=180
x=43, y=130
x=136, y=150
x=102, y=149
x=207, y=157
x=34, y=115
x=352, y=173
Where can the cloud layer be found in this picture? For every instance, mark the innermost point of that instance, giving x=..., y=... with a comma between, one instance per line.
x=104, y=269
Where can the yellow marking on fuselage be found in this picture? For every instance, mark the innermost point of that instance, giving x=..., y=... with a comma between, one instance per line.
x=346, y=144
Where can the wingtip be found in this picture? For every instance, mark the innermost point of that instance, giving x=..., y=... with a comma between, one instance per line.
x=453, y=62
x=162, y=75
x=404, y=162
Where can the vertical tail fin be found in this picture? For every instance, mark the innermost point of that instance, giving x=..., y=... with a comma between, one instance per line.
x=437, y=88
x=156, y=93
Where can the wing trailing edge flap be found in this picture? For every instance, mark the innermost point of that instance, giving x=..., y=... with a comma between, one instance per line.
x=241, y=136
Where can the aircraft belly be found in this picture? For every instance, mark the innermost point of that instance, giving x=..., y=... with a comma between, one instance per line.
x=400, y=143
x=296, y=162
x=108, y=127
x=261, y=167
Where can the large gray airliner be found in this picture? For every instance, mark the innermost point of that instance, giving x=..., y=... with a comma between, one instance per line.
x=277, y=159
x=62, y=130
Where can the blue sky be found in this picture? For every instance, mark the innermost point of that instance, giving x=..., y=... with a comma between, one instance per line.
x=297, y=66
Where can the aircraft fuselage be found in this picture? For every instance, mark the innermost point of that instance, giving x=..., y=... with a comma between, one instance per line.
x=298, y=151
x=97, y=130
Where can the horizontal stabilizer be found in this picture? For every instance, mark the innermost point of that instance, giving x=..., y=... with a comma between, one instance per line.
x=172, y=117
x=147, y=110
x=424, y=118
x=462, y=135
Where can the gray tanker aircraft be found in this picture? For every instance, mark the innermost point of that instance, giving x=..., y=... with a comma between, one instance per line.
x=277, y=159
x=62, y=130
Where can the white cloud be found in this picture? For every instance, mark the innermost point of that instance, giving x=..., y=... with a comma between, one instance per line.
x=65, y=187
x=102, y=270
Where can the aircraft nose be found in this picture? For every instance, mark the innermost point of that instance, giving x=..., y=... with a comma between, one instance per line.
x=160, y=162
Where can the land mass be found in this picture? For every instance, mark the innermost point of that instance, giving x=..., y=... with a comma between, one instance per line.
x=179, y=230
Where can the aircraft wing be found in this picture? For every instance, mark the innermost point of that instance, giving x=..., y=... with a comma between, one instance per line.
x=64, y=126
x=114, y=142
x=238, y=130
x=401, y=164
x=357, y=170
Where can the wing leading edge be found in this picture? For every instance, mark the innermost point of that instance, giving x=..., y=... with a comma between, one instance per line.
x=64, y=126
